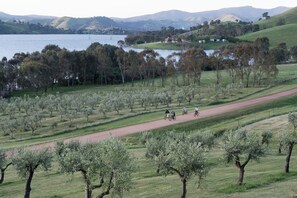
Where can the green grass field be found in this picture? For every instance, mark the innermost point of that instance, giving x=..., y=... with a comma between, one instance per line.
x=288, y=17
x=263, y=179
x=276, y=35
x=179, y=46
x=206, y=96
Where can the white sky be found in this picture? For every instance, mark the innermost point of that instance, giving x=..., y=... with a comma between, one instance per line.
x=125, y=8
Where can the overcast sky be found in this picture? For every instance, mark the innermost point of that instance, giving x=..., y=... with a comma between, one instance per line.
x=125, y=8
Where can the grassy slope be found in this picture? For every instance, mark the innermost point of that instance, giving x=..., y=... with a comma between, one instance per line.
x=289, y=16
x=264, y=179
x=178, y=46
x=99, y=124
x=276, y=35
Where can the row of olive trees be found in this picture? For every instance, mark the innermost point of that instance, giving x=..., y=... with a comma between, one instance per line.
x=173, y=153
x=186, y=156
x=109, y=162
x=27, y=114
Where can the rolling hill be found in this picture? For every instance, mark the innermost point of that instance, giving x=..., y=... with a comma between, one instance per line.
x=175, y=18
x=29, y=28
x=276, y=35
x=245, y=13
x=287, y=17
x=84, y=23
x=279, y=28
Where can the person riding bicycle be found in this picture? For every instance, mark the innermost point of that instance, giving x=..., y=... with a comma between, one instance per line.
x=166, y=113
x=184, y=111
x=196, y=111
x=173, y=115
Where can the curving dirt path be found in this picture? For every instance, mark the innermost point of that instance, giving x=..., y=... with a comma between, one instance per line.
x=95, y=137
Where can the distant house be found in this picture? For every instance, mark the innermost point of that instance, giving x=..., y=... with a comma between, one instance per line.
x=217, y=40
x=172, y=39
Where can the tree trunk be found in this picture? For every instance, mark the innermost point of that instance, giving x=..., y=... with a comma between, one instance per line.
x=28, y=184
x=184, y=192
x=108, y=188
x=2, y=176
x=288, y=158
x=280, y=148
x=241, y=175
x=88, y=190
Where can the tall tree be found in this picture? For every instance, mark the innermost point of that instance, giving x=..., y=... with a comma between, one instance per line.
x=244, y=56
x=120, y=53
x=192, y=62
x=34, y=73
x=293, y=52
x=148, y=64
x=133, y=62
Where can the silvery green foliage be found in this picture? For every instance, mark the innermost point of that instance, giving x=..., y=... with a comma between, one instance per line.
x=29, y=160
x=292, y=117
x=109, y=161
x=5, y=162
x=241, y=146
x=178, y=154
x=118, y=166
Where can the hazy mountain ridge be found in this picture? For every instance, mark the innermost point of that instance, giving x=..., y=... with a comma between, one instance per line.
x=174, y=18
x=246, y=13
x=9, y=17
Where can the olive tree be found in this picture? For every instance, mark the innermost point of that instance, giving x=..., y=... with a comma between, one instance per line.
x=4, y=164
x=289, y=139
x=241, y=147
x=74, y=157
x=109, y=161
x=117, y=169
x=26, y=163
x=180, y=155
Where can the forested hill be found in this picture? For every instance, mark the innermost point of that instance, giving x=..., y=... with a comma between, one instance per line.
x=28, y=28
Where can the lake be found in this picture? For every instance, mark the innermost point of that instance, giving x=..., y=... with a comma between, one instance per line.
x=14, y=43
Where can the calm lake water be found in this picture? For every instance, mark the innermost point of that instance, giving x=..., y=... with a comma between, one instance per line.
x=12, y=43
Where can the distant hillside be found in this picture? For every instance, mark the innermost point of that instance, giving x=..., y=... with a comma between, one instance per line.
x=276, y=35
x=84, y=23
x=7, y=17
x=287, y=17
x=175, y=18
x=245, y=13
x=100, y=25
x=27, y=28
x=228, y=18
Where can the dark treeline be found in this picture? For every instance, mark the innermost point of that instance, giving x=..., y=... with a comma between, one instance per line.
x=225, y=30
x=105, y=64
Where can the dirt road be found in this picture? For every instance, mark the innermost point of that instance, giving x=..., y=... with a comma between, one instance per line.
x=95, y=137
